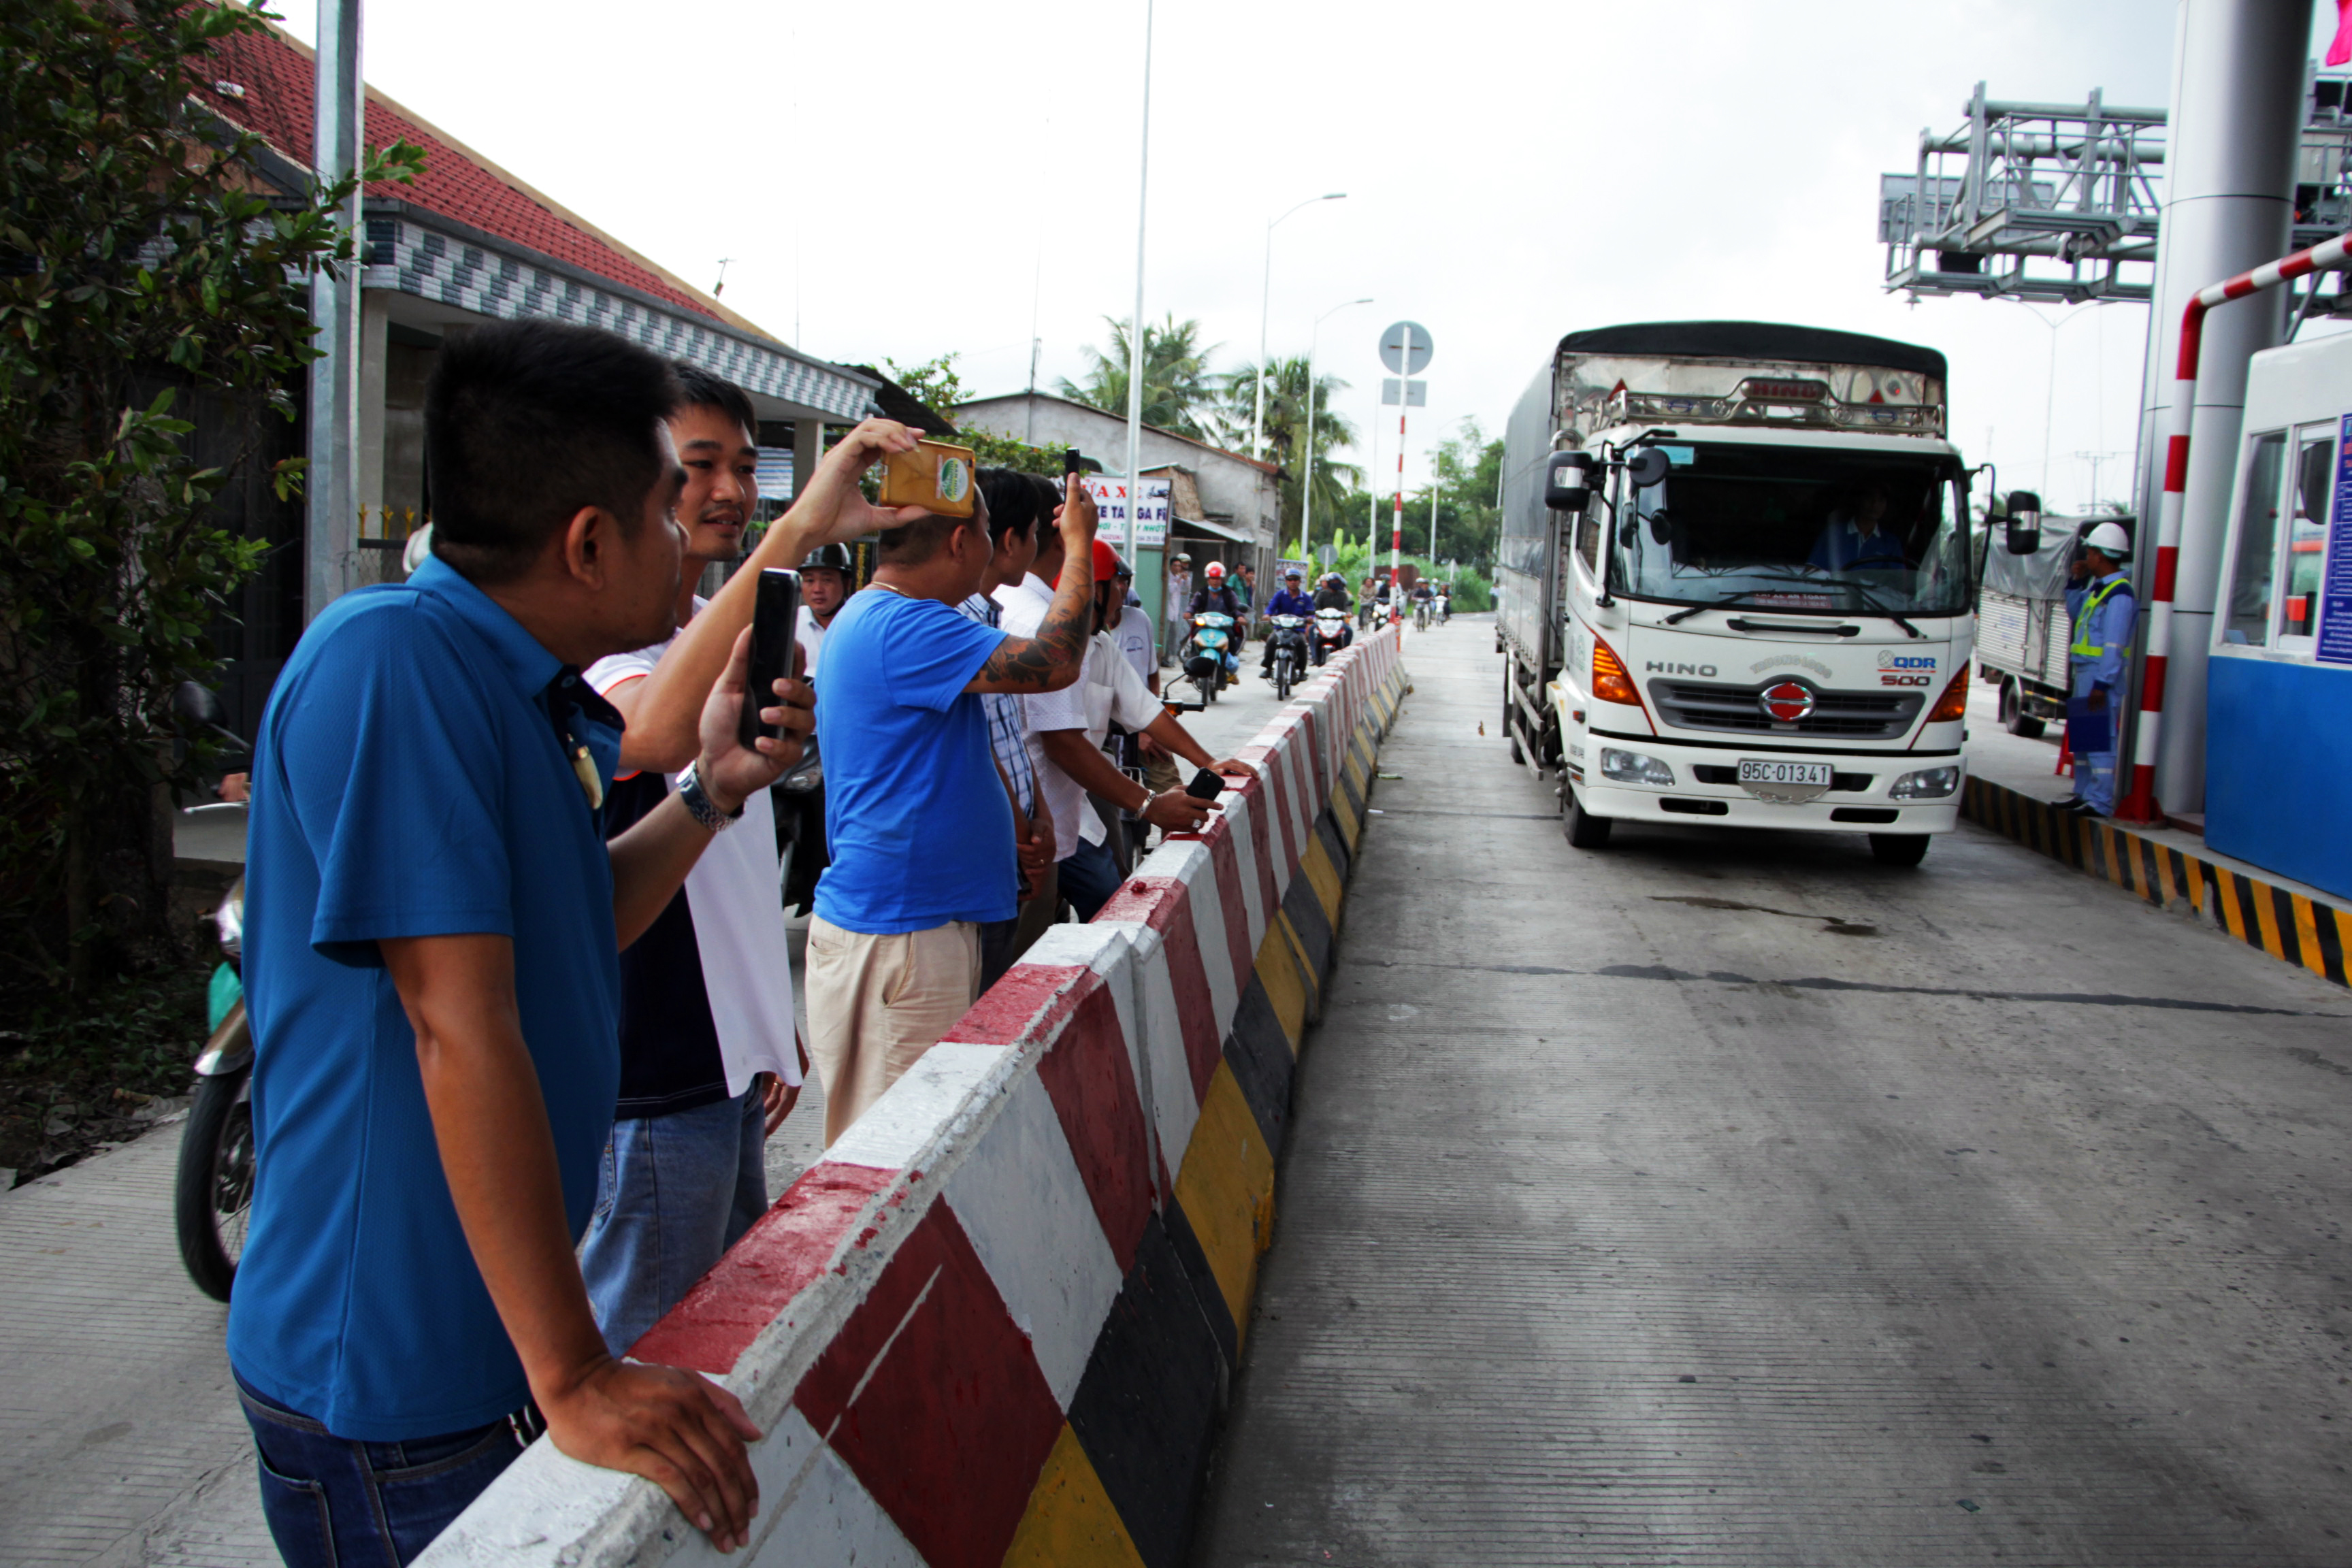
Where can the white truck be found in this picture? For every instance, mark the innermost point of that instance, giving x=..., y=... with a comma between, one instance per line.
x=2022, y=628
x=1736, y=585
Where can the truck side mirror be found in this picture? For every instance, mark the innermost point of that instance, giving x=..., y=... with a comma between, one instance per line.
x=1568, y=481
x=197, y=706
x=2023, y=527
x=1648, y=467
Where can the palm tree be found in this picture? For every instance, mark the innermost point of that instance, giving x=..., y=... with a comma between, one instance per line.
x=1177, y=387
x=1285, y=433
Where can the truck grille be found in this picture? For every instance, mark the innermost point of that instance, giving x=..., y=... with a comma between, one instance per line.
x=1847, y=715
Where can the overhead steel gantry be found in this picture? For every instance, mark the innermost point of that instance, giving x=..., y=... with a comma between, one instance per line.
x=2060, y=202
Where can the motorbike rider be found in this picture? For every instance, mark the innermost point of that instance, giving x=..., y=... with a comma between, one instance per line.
x=1216, y=594
x=1331, y=594
x=824, y=588
x=1290, y=599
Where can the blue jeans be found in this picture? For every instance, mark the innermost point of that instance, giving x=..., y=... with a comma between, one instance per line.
x=1090, y=877
x=676, y=1191
x=334, y=1503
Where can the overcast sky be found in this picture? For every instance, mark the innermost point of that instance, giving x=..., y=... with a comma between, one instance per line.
x=908, y=179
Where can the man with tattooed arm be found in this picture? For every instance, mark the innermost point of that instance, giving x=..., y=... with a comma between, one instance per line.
x=922, y=837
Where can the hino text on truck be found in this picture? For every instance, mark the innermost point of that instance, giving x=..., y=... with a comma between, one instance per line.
x=1736, y=583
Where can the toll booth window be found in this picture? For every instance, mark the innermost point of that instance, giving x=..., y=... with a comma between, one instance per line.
x=2306, y=531
x=2248, y=625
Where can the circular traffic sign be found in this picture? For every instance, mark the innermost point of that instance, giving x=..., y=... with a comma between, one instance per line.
x=1405, y=348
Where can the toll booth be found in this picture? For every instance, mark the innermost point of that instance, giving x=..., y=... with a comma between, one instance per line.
x=2279, y=684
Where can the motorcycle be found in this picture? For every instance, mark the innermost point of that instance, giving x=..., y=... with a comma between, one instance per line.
x=1286, y=642
x=1209, y=660
x=213, y=1197
x=1445, y=609
x=798, y=799
x=1421, y=615
x=1331, y=634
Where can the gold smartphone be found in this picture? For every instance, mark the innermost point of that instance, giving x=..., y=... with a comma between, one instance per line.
x=935, y=476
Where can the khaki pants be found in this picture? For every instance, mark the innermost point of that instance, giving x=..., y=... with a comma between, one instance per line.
x=877, y=1003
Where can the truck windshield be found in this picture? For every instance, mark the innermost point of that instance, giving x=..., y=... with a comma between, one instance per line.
x=1797, y=528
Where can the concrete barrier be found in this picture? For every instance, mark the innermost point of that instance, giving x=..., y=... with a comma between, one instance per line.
x=995, y=1323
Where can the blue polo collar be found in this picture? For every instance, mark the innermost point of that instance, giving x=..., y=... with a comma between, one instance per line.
x=524, y=659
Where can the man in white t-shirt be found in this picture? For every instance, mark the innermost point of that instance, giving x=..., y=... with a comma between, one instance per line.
x=1073, y=723
x=1176, y=609
x=710, y=1061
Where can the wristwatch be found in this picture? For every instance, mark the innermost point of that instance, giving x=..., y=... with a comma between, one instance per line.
x=700, y=805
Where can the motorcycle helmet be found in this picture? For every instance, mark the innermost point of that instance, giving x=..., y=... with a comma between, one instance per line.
x=828, y=558
x=1293, y=575
x=1216, y=571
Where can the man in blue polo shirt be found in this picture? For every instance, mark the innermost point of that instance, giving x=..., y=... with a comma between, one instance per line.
x=433, y=918
x=921, y=833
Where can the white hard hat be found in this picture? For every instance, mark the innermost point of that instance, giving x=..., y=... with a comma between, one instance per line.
x=2110, y=541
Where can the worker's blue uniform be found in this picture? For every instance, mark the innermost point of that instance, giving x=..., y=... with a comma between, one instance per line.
x=2103, y=613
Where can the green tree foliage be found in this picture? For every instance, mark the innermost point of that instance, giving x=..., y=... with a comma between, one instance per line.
x=935, y=384
x=143, y=267
x=1180, y=391
x=1469, y=523
x=1285, y=440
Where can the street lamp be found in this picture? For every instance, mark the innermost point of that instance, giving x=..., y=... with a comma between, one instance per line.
x=1307, y=488
x=1265, y=295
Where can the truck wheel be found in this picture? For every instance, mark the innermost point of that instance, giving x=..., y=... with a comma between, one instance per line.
x=1582, y=828
x=2014, y=716
x=1898, y=848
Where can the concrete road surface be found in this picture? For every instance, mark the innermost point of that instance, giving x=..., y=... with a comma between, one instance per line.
x=1729, y=1198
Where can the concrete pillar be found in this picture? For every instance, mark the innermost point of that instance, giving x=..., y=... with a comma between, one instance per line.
x=2228, y=188
x=330, y=538
x=808, y=443
x=375, y=349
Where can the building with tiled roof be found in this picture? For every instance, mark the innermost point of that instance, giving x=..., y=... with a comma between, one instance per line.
x=467, y=243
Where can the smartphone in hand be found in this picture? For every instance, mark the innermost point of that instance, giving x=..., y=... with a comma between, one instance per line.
x=775, y=619
x=1207, y=784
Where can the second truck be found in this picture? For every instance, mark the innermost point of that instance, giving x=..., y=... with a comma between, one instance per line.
x=1736, y=583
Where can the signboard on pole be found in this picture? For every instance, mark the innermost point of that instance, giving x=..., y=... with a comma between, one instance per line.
x=1109, y=491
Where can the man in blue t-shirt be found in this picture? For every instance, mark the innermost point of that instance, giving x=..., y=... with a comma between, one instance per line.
x=920, y=834
x=432, y=922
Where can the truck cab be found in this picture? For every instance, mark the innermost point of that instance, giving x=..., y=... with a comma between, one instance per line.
x=1762, y=583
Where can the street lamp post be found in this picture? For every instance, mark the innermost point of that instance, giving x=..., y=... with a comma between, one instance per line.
x=1307, y=486
x=1135, y=323
x=1265, y=296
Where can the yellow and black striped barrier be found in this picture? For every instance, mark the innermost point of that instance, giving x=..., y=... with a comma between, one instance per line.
x=2283, y=923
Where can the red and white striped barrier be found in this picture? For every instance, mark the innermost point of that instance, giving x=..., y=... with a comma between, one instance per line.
x=994, y=1324
x=2141, y=804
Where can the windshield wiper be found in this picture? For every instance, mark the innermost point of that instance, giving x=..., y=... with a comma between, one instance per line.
x=1873, y=607
x=1680, y=615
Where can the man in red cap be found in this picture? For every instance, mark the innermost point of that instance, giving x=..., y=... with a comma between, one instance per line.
x=1074, y=723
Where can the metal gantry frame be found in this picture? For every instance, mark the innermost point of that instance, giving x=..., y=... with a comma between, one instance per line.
x=2062, y=201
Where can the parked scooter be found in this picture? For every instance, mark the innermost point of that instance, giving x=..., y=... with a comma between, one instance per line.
x=798, y=799
x=212, y=1196
x=1210, y=662
x=1286, y=642
x=1331, y=634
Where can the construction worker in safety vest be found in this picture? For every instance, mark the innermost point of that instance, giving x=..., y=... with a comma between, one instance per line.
x=2101, y=606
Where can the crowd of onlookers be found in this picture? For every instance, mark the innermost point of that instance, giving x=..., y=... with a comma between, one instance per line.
x=517, y=955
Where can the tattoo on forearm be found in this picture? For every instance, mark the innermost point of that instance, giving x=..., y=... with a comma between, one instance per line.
x=1028, y=663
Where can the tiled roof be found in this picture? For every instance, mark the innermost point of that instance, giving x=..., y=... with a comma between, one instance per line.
x=278, y=78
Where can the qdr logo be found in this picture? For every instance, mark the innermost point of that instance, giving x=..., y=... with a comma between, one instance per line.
x=1890, y=659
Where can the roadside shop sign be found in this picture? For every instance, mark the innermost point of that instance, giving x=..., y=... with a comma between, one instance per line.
x=1109, y=491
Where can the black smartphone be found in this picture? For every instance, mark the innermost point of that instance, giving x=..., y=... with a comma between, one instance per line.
x=1070, y=464
x=775, y=617
x=1207, y=784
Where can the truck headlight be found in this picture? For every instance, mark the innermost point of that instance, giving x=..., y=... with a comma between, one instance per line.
x=1632, y=767
x=1927, y=784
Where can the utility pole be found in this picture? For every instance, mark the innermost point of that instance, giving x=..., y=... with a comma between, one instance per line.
x=331, y=525
x=1135, y=323
x=1265, y=297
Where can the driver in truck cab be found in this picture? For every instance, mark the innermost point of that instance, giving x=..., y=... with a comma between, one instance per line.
x=1856, y=534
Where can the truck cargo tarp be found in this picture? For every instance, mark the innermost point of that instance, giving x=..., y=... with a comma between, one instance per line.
x=1768, y=340
x=2043, y=574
